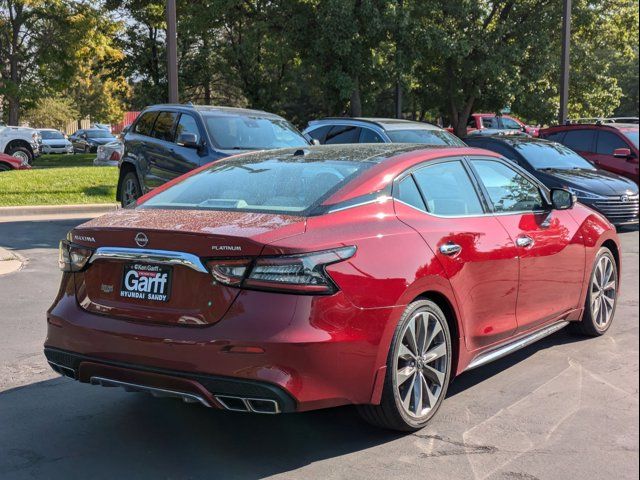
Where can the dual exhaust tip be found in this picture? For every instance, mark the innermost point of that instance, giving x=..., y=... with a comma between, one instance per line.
x=254, y=405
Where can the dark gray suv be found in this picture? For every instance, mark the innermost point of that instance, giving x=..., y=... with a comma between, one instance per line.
x=167, y=141
x=331, y=131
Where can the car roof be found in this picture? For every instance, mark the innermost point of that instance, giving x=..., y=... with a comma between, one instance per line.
x=204, y=109
x=384, y=123
x=48, y=130
x=593, y=126
x=511, y=140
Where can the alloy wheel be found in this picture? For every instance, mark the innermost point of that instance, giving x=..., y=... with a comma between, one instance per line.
x=421, y=364
x=22, y=156
x=130, y=191
x=603, y=292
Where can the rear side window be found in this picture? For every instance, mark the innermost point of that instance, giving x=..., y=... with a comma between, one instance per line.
x=319, y=133
x=490, y=122
x=579, y=140
x=369, y=136
x=554, y=137
x=259, y=183
x=509, y=190
x=408, y=193
x=164, y=129
x=343, y=134
x=608, y=142
x=145, y=123
x=448, y=190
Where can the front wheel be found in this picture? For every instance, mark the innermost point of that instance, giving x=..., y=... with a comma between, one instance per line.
x=21, y=153
x=602, y=296
x=418, y=370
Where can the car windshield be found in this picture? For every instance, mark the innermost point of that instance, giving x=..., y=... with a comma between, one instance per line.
x=632, y=135
x=425, y=136
x=99, y=134
x=550, y=155
x=252, y=183
x=252, y=133
x=51, y=135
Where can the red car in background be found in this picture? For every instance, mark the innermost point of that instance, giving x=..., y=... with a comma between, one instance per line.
x=493, y=123
x=7, y=162
x=609, y=146
x=306, y=278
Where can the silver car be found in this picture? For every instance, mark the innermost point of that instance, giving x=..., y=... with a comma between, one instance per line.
x=109, y=155
x=54, y=141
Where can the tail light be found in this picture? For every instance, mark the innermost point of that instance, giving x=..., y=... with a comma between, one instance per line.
x=72, y=257
x=304, y=273
x=115, y=156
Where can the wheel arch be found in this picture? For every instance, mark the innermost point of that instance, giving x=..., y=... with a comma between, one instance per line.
x=18, y=143
x=446, y=305
x=615, y=251
x=125, y=167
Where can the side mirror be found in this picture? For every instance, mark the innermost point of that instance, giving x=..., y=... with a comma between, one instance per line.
x=562, y=199
x=622, y=153
x=189, y=140
x=315, y=141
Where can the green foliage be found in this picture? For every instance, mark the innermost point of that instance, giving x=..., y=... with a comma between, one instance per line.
x=51, y=112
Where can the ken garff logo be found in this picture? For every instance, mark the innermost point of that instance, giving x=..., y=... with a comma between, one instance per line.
x=141, y=239
x=624, y=198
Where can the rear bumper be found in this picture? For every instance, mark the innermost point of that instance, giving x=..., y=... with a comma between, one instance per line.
x=314, y=352
x=206, y=389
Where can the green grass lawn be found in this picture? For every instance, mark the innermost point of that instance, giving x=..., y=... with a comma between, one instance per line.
x=59, y=180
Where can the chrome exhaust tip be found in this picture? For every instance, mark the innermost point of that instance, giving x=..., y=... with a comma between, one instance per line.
x=255, y=405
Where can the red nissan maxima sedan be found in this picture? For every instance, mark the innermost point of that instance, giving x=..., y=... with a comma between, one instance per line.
x=292, y=280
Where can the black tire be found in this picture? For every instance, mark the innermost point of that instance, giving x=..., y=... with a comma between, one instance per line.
x=4, y=167
x=591, y=325
x=129, y=181
x=390, y=414
x=21, y=152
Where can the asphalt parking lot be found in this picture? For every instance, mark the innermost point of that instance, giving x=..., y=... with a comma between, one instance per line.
x=565, y=408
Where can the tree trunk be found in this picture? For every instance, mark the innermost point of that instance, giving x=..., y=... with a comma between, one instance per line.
x=14, y=109
x=356, y=103
x=459, y=118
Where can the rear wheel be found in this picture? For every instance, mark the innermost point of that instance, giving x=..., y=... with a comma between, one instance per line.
x=418, y=370
x=4, y=167
x=602, y=296
x=131, y=190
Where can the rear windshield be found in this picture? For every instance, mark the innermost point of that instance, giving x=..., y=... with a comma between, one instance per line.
x=426, y=137
x=288, y=185
x=252, y=133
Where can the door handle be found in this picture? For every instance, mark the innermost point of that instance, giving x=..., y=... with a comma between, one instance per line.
x=524, y=241
x=450, y=249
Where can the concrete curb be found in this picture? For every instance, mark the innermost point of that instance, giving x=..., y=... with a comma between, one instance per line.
x=10, y=262
x=89, y=208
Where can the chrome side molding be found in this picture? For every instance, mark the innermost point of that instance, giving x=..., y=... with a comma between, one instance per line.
x=514, y=345
x=154, y=391
x=164, y=257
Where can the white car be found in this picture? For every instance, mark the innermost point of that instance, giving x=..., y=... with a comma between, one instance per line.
x=54, y=141
x=109, y=155
x=20, y=142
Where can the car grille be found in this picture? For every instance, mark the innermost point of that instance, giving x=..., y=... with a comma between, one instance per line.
x=619, y=211
x=62, y=145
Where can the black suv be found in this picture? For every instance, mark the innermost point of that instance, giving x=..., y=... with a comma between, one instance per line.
x=166, y=141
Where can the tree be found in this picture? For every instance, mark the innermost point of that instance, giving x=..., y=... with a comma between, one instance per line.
x=51, y=112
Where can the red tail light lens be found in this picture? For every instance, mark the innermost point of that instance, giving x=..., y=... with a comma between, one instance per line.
x=304, y=273
x=72, y=257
